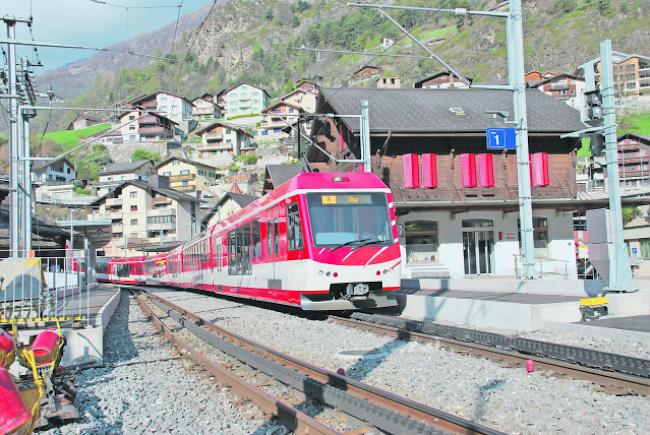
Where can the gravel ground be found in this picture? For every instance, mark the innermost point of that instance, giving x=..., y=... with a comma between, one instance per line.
x=508, y=399
x=145, y=387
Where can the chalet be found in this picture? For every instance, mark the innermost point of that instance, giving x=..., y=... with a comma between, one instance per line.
x=205, y=108
x=389, y=82
x=456, y=201
x=172, y=106
x=304, y=96
x=221, y=141
x=83, y=121
x=117, y=173
x=59, y=171
x=229, y=204
x=443, y=80
x=365, y=73
x=534, y=76
x=275, y=175
x=277, y=117
x=567, y=88
x=187, y=175
x=134, y=127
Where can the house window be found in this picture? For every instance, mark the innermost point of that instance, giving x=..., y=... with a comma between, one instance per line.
x=131, y=127
x=265, y=133
x=184, y=183
x=167, y=174
x=421, y=241
x=134, y=207
x=185, y=171
x=133, y=194
x=294, y=230
x=131, y=117
x=134, y=221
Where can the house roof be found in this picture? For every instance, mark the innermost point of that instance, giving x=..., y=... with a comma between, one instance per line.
x=169, y=193
x=141, y=98
x=537, y=83
x=188, y=161
x=366, y=67
x=241, y=199
x=279, y=174
x=281, y=103
x=225, y=91
x=85, y=116
x=435, y=76
x=448, y=110
x=644, y=139
x=38, y=165
x=211, y=125
x=117, y=168
x=157, y=115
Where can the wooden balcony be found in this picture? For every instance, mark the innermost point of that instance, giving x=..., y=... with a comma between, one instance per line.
x=160, y=199
x=183, y=177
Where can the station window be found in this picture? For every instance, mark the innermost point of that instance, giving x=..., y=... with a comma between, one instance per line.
x=294, y=230
x=421, y=241
x=540, y=236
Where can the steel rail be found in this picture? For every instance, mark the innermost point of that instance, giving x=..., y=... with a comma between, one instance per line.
x=293, y=419
x=615, y=381
x=390, y=402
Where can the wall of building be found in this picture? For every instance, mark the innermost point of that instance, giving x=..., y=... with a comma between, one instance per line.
x=245, y=99
x=187, y=176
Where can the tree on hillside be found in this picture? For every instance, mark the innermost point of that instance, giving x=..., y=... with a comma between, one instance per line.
x=144, y=154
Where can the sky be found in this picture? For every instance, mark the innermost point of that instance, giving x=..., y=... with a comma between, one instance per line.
x=84, y=22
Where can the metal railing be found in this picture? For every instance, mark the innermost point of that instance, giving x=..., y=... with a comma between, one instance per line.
x=544, y=266
x=44, y=289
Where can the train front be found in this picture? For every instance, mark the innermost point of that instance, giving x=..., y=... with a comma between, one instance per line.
x=351, y=237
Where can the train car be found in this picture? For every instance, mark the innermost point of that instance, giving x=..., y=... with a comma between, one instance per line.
x=127, y=270
x=320, y=241
x=101, y=269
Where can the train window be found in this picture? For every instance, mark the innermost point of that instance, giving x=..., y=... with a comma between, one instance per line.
x=269, y=238
x=232, y=257
x=218, y=244
x=294, y=231
x=257, y=244
x=276, y=240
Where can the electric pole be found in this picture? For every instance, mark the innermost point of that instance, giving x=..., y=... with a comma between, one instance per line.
x=13, y=141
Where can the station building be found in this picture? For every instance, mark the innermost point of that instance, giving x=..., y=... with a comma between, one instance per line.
x=457, y=201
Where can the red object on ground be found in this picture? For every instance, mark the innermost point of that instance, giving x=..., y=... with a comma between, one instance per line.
x=340, y=371
x=13, y=412
x=6, y=346
x=45, y=344
x=530, y=365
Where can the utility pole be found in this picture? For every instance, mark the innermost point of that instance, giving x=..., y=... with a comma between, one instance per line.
x=515, y=36
x=13, y=141
x=364, y=137
x=620, y=272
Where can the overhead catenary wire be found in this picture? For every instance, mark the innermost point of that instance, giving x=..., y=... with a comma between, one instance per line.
x=101, y=2
x=189, y=49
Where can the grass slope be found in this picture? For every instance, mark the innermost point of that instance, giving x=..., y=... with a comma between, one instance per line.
x=69, y=138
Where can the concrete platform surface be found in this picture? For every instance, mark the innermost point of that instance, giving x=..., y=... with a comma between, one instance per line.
x=507, y=311
x=632, y=323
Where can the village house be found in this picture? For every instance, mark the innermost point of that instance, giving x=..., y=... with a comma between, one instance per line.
x=277, y=117
x=389, y=82
x=115, y=174
x=304, y=96
x=137, y=127
x=82, y=121
x=205, y=108
x=243, y=99
x=278, y=174
x=174, y=107
x=457, y=201
x=534, y=76
x=443, y=80
x=364, y=73
x=59, y=171
x=145, y=214
x=187, y=175
x=229, y=204
x=631, y=75
x=221, y=141
x=567, y=88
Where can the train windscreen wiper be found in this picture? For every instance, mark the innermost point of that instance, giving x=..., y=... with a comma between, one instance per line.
x=351, y=242
x=366, y=242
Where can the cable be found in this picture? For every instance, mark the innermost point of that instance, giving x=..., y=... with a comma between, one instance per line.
x=101, y=2
x=196, y=35
x=180, y=6
x=49, y=118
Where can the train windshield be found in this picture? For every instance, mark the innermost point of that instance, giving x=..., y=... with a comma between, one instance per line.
x=349, y=219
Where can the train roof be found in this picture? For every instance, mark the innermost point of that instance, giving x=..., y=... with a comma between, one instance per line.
x=310, y=181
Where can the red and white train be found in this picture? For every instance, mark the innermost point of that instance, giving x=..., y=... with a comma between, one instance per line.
x=320, y=241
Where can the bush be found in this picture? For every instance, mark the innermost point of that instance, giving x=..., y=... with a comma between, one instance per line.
x=82, y=191
x=144, y=154
x=234, y=167
x=247, y=159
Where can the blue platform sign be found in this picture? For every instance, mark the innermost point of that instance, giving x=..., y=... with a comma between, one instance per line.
x=501, y=138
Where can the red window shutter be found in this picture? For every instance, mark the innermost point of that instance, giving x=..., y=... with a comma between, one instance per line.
x=468, y=169
x=411, y=164
x=429, y=171
x=485, y=170
x=540, y=169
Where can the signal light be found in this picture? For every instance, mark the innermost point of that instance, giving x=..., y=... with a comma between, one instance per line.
x=596, y=143
x=339, y=179
x=594, y=107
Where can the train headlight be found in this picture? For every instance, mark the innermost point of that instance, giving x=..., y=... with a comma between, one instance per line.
x=327, y=273
x=335, y=274
x=321, y=273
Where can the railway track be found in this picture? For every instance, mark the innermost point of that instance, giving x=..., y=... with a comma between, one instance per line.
x=617, y=374
x=378, y=409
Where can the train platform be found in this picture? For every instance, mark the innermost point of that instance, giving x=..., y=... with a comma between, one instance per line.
x=90, y=311
x=630, y=323
x=511, y=311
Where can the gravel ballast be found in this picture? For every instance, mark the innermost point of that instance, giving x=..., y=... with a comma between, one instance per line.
x=508, y=399
x=145, y=387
